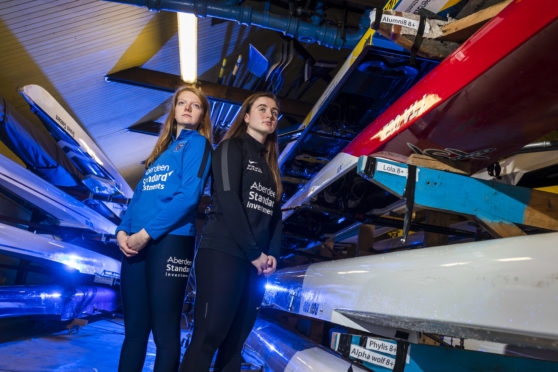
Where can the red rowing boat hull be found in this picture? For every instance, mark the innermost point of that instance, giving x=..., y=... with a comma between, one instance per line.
x=493, y=95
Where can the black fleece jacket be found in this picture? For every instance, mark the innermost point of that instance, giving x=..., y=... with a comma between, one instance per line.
x=246, y=217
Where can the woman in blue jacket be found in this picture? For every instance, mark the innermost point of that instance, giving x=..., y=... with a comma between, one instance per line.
x=241, y=240
x=157, y=233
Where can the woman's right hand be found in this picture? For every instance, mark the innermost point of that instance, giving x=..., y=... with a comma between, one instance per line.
x=271, y=266
x=122, y=239
x=260, y=263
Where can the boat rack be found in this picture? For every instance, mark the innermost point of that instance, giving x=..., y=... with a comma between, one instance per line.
x=485, y=281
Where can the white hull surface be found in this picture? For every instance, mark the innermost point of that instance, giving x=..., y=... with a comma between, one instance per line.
x=39, y=98
x=282, y=351
x=515, y=167
x=503, y=290
x=69, y=211
x=24, y=243
x=66, y=302
x=340, y=165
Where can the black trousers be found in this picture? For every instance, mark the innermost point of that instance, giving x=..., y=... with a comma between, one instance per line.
x=228, y=295
x=153, y=285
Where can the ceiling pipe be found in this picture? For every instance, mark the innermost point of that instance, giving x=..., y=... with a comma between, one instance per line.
x=330, y=36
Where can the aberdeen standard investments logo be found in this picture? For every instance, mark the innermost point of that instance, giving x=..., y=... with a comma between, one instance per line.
x=178, y=267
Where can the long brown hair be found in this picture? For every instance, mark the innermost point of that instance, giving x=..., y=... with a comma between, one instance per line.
x=169, y=128
x=238, y=127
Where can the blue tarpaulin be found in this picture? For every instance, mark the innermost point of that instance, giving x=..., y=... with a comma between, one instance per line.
x=32, y=144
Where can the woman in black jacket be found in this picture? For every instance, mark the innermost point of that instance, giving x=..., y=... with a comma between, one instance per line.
x=241, y=240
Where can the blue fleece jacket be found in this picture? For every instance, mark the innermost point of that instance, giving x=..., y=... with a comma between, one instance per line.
x=166, y=198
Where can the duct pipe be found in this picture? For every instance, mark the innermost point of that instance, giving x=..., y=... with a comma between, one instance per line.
x=330, y=36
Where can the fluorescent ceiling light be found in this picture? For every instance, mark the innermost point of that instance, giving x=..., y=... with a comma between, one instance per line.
x=188, y=46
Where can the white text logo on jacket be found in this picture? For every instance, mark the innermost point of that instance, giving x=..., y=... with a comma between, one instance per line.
x=252, y=166
x=156, y=181
x=261, y=198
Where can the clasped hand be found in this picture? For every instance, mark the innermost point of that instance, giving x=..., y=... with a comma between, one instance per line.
x=130, y=245
x=265, y=264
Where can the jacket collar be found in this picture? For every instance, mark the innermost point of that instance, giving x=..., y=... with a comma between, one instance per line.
x=253, y=142
x=183, y=134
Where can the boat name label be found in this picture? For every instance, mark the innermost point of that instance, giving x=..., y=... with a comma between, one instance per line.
x=391, y=169
x=399, y=21
x=67, y=128
x=383, y=346
x=361, y=353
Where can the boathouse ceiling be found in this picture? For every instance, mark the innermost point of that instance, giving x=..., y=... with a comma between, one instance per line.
x=113, y=66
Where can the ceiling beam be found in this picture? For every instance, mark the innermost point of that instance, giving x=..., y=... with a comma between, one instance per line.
x=169, y=82
x=147, y=127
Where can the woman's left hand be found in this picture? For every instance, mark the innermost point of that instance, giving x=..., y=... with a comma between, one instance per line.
x=271, y=266
x=139, y=240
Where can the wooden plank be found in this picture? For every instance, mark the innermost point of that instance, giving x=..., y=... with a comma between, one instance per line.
x=499, y=205
x=365, y=241
x=442, y=39
x=439, y=219
x=438, y=164
x=463, y=28
x=542, y=210
x=429, y=48
x=501, y=229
